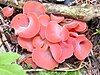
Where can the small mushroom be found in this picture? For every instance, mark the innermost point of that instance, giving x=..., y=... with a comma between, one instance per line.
x=56, y=51
x=34, y=7
x=7, y=11
x=64, y=34
x=25, y=43
x=67, y=51
x=83, y=47
x=37, y=41
x=77, y=26
x=44, y=20
x=42, y=31
x=61, y=51
x=56, y=33
x=58, y=19
x=30, y=62
x=43, y=59
x=26, y=26
x=82, y=26
x=19, y=23
x=71, y=25
x=33, y=27
x=71, y=40
x=53, y=32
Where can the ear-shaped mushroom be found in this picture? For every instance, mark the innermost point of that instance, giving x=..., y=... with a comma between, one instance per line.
x=53, y=32
x=43, y=59
x=26, y=26
x=34, y=7
x=7, y=11
x=19, y=23
x=56, y=51
x=71, y=25
x=71, y=40
x=42, y=31
x=82, y=26
x=67, y=51
x=37, y=41
x=76, y=26
x=58, y=19
x=44, y=20
x=29, y=61
x=25, y=43
x=83, y=47
x=64, y=34
x=33, y=28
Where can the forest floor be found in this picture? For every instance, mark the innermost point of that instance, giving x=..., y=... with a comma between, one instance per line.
x=91, y=65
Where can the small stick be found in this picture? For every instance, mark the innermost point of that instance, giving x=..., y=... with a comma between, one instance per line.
x=59, y=70
x=81, y=12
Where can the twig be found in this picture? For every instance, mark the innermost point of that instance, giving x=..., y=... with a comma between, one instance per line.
x=60, y=69
x=80, y=12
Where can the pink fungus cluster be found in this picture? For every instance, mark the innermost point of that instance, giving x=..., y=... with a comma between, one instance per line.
x=49, y=41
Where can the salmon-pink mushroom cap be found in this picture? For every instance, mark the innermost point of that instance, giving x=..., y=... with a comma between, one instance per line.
x=44, y=20
x=56, y=51
x=71, y=40
x=19, y=23
x=82, y=26
x=77, y=26
x=37, y=41
x=67, y=51
x=53, y=32
x=42, y=31
x=7, y=11
x=58, y=19
x=33, y=27
x=83, y=47
x=34, y=7
x=26, y=26
x=43, y=59
x=64, y=34
x=73, y=34
x=25, y=43
x=71, y=25
x=30, y=62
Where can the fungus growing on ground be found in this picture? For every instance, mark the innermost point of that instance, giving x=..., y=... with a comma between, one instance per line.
x=37, y=41
x=19, y=22
x=33, y=6
x=49, y=42
x=30, y=62
x=58, y=19
x=83, y=47
x=76, y=26
x=44, y=20
x=7, y=11
x=44, y=59
x=67, y=51
x=53, y=32
x=33, y=27
x=26, y=24
x=25, y=43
